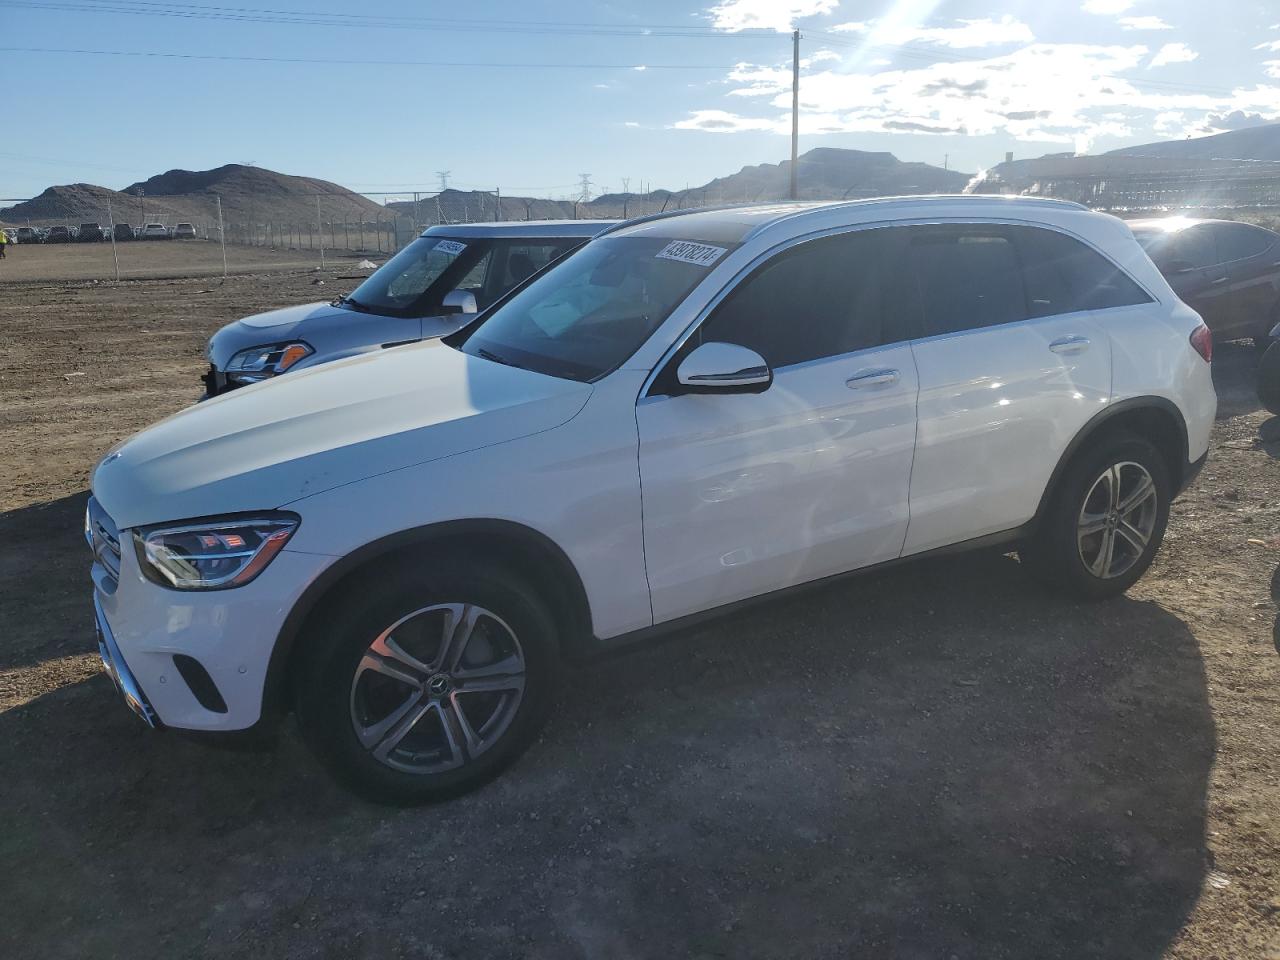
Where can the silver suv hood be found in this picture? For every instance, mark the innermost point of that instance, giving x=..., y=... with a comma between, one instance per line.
x=264, y=446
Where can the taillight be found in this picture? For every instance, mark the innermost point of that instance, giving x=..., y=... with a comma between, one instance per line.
x=1202, y=340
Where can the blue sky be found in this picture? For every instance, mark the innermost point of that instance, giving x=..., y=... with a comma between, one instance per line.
x=921, y=78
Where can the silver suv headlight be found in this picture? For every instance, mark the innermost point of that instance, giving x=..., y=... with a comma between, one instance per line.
x=258, y=363
x=213, y=554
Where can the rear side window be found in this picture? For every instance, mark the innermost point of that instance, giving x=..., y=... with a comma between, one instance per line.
x=1239, y=241
x=966, y=277
x=818, y=299
x=1062, y=275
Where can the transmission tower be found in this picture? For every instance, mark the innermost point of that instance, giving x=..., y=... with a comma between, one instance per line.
x=444, y=179
x=585, y=193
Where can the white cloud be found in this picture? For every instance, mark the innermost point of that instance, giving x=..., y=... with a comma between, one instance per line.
x=971, y=33
x=1143, y=23
x=1106, y=7
x=1272, y=45
x=1235, y=120
x=630, y=123
x=721, y=121
x=1072, y=94
x=1173, y=53
x=735, y=15
x=1272, y=68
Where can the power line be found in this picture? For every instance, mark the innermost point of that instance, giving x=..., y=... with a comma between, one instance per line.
x=346, y=21
x=379, y=63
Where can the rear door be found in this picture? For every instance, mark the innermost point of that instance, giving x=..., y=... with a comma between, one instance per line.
x=1252, y=267
x=748, y=493
x=1013, y=361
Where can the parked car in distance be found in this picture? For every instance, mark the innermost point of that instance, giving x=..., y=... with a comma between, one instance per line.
x=184, y=231
x=156, y=231
x=430, y=288
x=689, y=412
x=123, y=231
x=60, y=234
x=11, y=234
x=90, y=233
x=29, y=235
x=1227, y=272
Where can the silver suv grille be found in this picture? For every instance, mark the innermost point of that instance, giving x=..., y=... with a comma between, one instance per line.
x=103, y=538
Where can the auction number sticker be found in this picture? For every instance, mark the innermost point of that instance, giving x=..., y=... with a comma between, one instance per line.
x=453, y=247
x=686, y=251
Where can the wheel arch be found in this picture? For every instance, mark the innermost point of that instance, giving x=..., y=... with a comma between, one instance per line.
x=521, y=549
x=1156, y=419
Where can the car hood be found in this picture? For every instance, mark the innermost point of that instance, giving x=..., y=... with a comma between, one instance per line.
x=265, y=446
x=291, y=316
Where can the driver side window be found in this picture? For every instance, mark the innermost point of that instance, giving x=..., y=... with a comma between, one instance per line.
x=820, y=298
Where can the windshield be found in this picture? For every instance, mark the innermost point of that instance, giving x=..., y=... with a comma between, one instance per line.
x=584, y=317
x=404, y=280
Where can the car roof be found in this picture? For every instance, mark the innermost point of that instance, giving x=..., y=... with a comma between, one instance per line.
x=738, y=224
x=1176, y=224
x=521, y=228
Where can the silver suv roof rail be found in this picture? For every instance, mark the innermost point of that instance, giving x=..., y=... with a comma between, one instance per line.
x=668, y=214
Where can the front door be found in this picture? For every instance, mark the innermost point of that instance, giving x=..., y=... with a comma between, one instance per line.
x=747, y=493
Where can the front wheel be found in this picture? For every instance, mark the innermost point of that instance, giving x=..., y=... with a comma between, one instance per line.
x=1106, y=520
x=426, y=684
x=1269, y=378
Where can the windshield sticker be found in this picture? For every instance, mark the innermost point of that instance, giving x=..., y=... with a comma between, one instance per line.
x=453, y=247
x=686, y=251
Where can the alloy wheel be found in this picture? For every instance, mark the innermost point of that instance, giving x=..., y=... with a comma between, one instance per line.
x=1117, y=520
x=437, y=688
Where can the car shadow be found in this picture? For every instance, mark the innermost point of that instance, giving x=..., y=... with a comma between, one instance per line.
x=939, y=760
x=1235, y=378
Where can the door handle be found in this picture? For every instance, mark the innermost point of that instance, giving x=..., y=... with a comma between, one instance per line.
x=1070, y=345
x=1218, y=281
x=864, y=379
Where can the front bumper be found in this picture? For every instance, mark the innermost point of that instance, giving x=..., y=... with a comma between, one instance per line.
x=114, y=666
x=151, y=636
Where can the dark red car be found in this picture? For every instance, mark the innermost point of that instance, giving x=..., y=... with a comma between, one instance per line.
x=1227, y=272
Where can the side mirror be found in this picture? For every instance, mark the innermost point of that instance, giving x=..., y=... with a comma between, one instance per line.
x=724, y=368
x=459, y=301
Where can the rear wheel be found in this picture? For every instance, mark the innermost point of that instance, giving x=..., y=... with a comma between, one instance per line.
x=1106, y=520
x=427, y=684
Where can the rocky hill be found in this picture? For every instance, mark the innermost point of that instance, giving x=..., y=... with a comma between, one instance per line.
x=257, y=195
x=248, y=194
x=1251, y=143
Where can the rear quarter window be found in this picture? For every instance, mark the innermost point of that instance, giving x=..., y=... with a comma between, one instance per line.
x=1063, y=275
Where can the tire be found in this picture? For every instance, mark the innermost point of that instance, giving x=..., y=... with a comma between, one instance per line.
x=1269, y=378
x=1070, y=560
x=392, y=721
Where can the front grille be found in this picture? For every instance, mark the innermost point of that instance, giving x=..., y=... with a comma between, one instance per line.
x=104, y=540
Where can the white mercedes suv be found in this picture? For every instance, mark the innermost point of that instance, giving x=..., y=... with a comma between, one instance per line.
x=690, y=412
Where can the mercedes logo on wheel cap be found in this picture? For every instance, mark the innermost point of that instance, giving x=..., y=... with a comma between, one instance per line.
x=438, y=684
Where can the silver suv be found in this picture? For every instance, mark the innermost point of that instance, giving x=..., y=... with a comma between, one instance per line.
x=429, y=289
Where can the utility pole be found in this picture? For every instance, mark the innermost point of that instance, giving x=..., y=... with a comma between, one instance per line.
x=585, y=193
x=142, y=212
x=444, y=179
x=795, y=109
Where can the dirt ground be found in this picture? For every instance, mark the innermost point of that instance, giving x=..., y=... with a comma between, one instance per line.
x=155, y=259
x=942, y=761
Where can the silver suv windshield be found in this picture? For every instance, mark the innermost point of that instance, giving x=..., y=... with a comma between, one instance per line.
x=584, y=316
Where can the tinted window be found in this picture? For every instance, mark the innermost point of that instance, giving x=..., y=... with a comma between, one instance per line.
x=1194, y=247
x=966, y=276
x=1062, y=275
x=1239, y=241
x=818, y=299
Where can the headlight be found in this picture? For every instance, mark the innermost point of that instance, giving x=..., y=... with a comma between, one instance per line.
x=214, y=555
x=258, y=363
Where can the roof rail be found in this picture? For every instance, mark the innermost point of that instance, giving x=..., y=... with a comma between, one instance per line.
x=919, y=199
x=668, y=214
